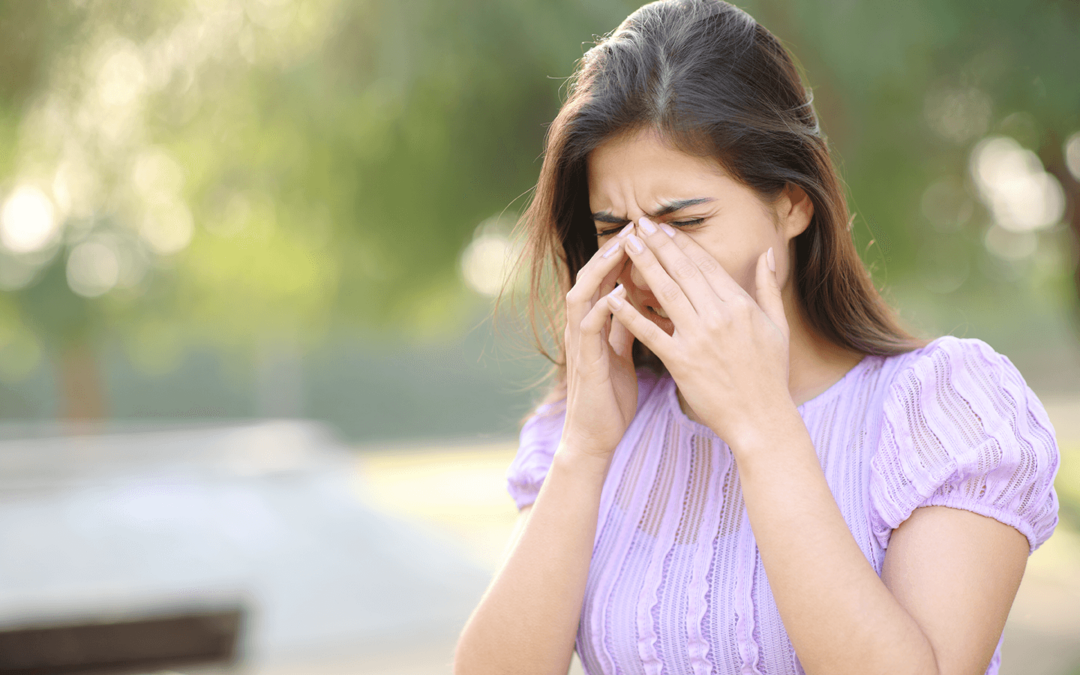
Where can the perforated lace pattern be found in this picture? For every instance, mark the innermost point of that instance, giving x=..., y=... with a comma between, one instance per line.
x=676, y=584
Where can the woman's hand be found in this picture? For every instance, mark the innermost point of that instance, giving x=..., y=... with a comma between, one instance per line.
x=601, y=385
x=728, y=354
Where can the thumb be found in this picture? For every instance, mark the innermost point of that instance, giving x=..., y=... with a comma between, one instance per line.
x=768, y=291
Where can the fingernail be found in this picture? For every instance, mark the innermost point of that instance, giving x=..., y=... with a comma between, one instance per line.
x=769, y=259
x=636, y=244
x=618, y=289
x=613, y=301
x=614, y=247
x=647, y=225
x=626, y=230
x=668, y=230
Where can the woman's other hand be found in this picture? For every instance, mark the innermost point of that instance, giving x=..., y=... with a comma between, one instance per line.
x=601, y=385
x=728, y=353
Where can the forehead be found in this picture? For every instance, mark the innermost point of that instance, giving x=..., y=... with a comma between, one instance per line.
x=642, y=166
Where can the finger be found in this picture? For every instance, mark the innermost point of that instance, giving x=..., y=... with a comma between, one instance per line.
x=583, y=295
x=671, y=296
x=592, y=335
x=620, y=339
x=721, y=282
x=769, y=297
x=650, y=335
x=681, y=267
x=608, y=283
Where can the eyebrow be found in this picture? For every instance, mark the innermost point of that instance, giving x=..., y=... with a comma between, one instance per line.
x=665, y=209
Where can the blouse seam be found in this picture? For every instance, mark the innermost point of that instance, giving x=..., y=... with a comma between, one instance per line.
x=1007, y=517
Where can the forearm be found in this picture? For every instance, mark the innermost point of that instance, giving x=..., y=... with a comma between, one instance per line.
x=837, y=611
x=528, y=618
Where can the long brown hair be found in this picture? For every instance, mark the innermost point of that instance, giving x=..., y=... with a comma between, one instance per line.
x=714, y=83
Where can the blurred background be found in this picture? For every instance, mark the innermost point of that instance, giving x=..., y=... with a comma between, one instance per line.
x=255, y=413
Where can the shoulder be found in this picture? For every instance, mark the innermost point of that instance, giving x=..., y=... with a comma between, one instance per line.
x=961, y=428
x=960, y=362
x=540, y=436
x=962, y=387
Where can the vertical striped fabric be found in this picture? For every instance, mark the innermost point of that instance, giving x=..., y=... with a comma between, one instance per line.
x=676, y=584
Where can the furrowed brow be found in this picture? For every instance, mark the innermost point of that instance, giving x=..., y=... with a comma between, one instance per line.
x=665, y=209
x=678, y=205
x=606, y=217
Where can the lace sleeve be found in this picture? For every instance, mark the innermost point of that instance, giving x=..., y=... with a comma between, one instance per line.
x=962, y=429
x=539, y=438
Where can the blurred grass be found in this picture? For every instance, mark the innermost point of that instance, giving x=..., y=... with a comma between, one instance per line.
x=1067, y=485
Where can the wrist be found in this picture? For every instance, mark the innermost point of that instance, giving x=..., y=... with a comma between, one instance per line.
x=582, y=460
x=768, y=433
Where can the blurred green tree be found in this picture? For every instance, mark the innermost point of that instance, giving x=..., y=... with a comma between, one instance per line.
x=249, y=173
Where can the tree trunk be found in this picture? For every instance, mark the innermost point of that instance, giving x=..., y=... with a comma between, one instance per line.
x=1054, y=160
x=81, y=388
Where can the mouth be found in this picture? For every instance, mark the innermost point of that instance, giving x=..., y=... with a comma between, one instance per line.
x=657, y=315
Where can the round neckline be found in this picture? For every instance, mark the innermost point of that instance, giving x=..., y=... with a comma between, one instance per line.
x=672, y=397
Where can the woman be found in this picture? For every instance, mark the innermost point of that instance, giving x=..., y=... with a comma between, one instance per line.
x=747, y=465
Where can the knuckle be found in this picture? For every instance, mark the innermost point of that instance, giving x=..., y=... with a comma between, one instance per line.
x=708, y=264
x=668, y=290
x=684, y=268
x=713, y=321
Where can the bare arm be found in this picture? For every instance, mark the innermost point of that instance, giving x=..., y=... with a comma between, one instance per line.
x=528, y=618
x=948, y=582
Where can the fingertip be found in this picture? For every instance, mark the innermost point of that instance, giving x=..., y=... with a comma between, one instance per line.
x=613, y=248
x=615, y=302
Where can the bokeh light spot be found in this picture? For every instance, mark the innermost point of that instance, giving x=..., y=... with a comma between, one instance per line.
x=157, y=176
x=1010, y=245
x=93, y=268
x=168, y=228
x=1072, y=155
x=27, y=221
x=122, y=77
x=485, y=263
x=946, y=205
x=958, y=114
x=1012, y=183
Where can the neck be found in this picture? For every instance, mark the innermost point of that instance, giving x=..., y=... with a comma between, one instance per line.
x=815, y=362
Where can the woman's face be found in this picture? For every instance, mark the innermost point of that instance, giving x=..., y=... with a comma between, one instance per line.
x=637, y=174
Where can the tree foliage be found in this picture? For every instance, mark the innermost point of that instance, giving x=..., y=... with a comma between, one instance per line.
x=220, y=171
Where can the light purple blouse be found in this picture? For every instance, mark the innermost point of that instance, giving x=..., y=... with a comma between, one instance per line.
x=676, y=584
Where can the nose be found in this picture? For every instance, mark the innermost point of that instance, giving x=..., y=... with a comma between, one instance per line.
x=631, y=273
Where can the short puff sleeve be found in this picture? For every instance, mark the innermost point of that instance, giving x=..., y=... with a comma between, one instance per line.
x=961, y=428
x=540, y=437
x=536, y=450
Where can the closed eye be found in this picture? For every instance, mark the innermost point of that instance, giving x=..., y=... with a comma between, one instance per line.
x=610, y=231
x=677, y=223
